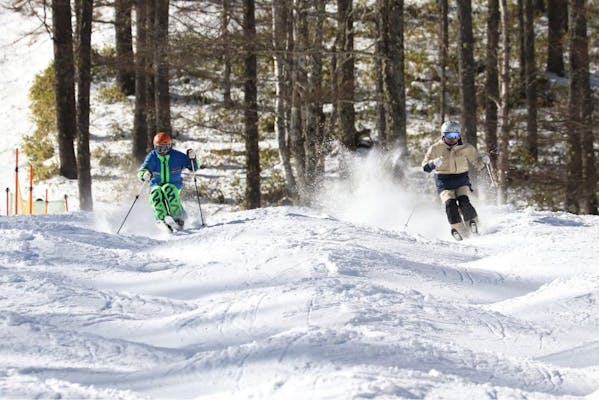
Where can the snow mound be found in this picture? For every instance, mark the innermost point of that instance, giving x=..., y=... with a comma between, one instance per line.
x=297, y=303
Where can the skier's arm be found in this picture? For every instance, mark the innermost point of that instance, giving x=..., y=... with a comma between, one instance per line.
x=193, y=165
x=429, y=164
x=476, y=159
x=144, y=175
x=193, y=162
x=144, y=168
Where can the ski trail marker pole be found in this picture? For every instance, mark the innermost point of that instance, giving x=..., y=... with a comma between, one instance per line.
x=143, y=184
x=195, y=182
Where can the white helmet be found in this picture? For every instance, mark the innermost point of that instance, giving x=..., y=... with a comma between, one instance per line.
x=450, y=126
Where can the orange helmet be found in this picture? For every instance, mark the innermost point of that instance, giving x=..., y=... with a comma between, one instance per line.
x=162, y=138
x=162, y=143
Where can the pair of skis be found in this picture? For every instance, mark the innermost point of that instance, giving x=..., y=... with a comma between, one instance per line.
x=472, y=226
x=170, y=225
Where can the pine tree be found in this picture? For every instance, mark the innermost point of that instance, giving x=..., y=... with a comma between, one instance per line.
x=84, y=33
x=64, y=70
x=251, y=107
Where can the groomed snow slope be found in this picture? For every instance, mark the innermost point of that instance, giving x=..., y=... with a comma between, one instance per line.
x=290, y=303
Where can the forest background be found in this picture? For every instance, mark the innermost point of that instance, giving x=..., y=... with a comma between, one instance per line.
x=292, y=85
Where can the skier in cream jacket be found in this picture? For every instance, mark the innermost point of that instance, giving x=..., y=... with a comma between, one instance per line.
x=449, y=160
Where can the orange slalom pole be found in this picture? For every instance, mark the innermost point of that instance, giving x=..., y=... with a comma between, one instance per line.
x=30, y=189
x=17, y=182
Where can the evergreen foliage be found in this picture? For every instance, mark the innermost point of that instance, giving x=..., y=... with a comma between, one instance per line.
x=111, y=94
x=39, y=146
x=197, y=54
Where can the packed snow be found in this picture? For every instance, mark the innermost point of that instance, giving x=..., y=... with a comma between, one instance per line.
x=296, y=303
x=363, y=295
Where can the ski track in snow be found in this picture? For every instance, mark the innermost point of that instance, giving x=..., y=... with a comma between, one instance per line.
x=290, y=303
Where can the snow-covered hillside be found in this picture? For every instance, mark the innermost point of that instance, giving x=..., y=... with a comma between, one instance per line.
x=292, y=303
x=365, y=295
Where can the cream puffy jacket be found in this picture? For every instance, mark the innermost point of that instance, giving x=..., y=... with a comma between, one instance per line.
x=455, y=159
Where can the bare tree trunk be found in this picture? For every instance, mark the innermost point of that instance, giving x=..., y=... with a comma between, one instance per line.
x=227, y=70
x=140, y=126
x=151, y=70
x=381, y=121
x=467, y=70
x=574, y=156
x=84, y=33
x=556, y=14
x=252, y=147
x=589, y=198
x=281, y=70
x=521, y=50
x=393, y=72
x=162, y=94
x=334, y=81
x=574, y=178
x=581, y=186
x=531, y=81
x=64, y=73
x=299, y=81
x=540, y=6
x=504, y=132
x=315, y=118
x=492, y=83
x=124, y=46
x=443, y=46
x=346, y=86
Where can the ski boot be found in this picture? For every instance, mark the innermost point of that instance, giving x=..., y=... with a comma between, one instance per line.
x=458, y=231
x=172, y=224
x=163, y=226
x=473, y=225
x=456, y=235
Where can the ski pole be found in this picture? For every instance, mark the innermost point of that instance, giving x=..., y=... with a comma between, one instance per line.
x=491, y=176
x=143, y=184
x=417, y=204
x=410, y=217
x=195, y=182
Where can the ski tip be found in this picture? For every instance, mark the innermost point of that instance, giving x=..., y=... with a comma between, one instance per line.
x=456, y=235
x=473, y=227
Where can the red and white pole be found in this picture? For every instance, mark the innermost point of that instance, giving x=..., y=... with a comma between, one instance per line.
x=17, y=182
x=30, y=189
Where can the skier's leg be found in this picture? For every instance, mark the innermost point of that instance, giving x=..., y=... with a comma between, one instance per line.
x=453, y=213
x=466, y=208
x=158, y=204
x=173, y=199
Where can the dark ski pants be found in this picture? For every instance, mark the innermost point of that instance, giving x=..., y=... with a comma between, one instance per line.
x=458, y=206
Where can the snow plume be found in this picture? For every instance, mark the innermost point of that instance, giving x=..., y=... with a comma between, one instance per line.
x=140, y=218
x=374, y=188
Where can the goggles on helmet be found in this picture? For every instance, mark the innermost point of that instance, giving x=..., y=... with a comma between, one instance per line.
x=162, y=149
x=451, y=135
